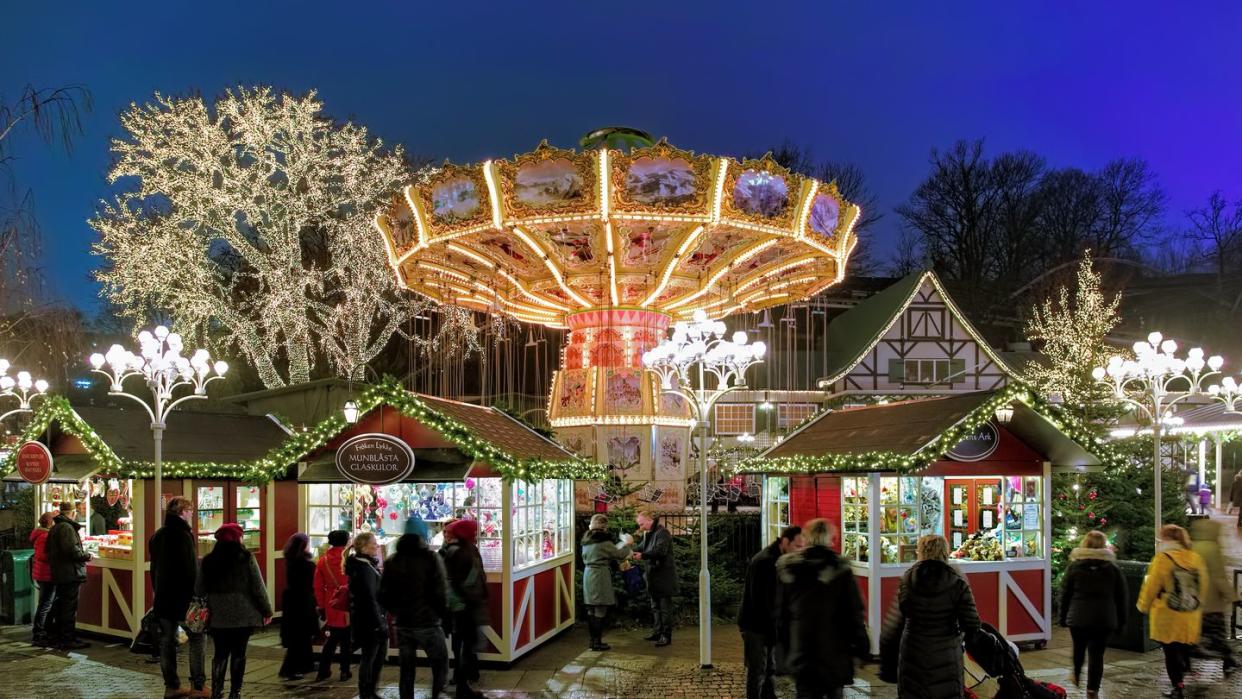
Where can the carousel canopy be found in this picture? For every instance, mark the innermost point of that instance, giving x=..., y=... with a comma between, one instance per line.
x=554, y=232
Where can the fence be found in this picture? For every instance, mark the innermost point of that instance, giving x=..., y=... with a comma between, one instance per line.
x=741, y=531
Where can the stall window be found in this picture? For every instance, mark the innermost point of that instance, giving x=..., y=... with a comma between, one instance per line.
x=854, y=517
x=104, y=510
x=329, y=506
x=542, y=518
x=910, y=507
x=776, y=505
x=996, y=518
x=249, y=512
x=210, y=514
x=491, y=536
x=1023, y=517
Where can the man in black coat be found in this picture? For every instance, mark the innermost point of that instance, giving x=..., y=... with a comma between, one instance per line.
x=414, y=589
x=1235, y=495
x=174, y=569
x=655, y=551
x=821, y=622
x=67, y=559
x=757, y=615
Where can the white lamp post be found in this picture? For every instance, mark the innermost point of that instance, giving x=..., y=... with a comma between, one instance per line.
x=165, y=370
x=23, y=388
x=1228, y=393
x=700, y=347
x=1153, y=383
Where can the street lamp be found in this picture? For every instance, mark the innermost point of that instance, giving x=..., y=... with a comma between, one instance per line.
x=165, y=370
x=1154, y=383
x=23, y=388
x=682, y=362
x=1228, y=393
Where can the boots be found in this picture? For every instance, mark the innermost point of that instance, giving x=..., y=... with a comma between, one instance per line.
x=595, y=626
x=219, y=668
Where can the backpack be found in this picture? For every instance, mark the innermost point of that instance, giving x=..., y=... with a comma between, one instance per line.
x=1184, y=597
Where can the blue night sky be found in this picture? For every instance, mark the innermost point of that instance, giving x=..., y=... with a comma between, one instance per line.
x=874, y=83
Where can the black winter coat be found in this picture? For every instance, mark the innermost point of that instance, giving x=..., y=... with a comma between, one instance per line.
x=414, y=586
x=821, y=623
x=923, y=631
x=757, y=612
x=174, y=568
x=299, y=619
x=1094, y=593
x=659, y=570
x=467, y=580
x=231, y=581
x=366, y=615
x=65, y=554
x=1235, y=492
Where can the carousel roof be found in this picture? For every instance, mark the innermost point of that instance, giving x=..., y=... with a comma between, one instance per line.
x=553, y=232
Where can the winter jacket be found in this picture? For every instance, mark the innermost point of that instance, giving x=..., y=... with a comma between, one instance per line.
x=467, y=580
x=366, y=616
x=174, y=568
x=1235, y=491
x=659, y=570
x=1205, y=536
x=111, y=514
x=230, y=580
x=1167, y=625
x=39, y=568
x=924, y=629
x=757, y=612
x=65, y=555
x=1094, y=594
x=329, y=575
x=598, y=553
x=414, y=585
x=298, y=619
x=821, y=624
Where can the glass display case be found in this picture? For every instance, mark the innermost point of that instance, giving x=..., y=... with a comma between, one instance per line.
x=542, y=520
x=1023, y=517
x=103, y=509
x=776, y=506
x=249, y=504
x=854, y=517
x=958, y=509
x=329, y=507
x=910, y=507
x=209, y=515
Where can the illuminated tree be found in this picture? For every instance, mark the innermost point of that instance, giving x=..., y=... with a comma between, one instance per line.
x=1073, y=333
x=249, y=224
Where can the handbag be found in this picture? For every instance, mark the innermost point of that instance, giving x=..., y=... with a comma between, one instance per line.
x=340, y=597
x=198, y=616
x=632, y=576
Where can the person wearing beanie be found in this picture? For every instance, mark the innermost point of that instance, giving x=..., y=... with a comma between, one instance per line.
x=598, y=553
x=67, y=560
x=230, y=581
x=329, y=576
x=414, y=590
x=467, y=600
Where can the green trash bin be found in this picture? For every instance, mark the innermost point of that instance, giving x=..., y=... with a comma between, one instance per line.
x=17, y=595
x=1134, y=635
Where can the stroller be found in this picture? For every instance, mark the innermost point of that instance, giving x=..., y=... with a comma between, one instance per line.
x=997, y=658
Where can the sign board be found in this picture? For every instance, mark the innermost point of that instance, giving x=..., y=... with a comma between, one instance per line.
x=977, y=446
x=374, y=459
x=34, y=462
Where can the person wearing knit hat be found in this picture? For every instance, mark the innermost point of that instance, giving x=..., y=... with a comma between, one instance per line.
x=231, y=582
x=598, y=553
x=414, y=590
x=467, y=598
x=416, y=526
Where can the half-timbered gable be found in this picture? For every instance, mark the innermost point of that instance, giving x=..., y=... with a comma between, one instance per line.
x=909, y=339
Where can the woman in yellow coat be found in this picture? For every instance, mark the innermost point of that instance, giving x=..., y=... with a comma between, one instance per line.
x=1175, y=565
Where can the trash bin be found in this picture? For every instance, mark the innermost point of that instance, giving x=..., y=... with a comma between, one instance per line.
x=17, y=601
x=1134, y=635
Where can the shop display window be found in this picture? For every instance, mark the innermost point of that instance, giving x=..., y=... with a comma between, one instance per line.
x=854, y=517
x=209, y=516
x=776, y=505
x=996, y=518
x=910, y=507
x=329, y=507
x=248, y=515
x=542, y=520
x=1023, y=517
x=103, y=509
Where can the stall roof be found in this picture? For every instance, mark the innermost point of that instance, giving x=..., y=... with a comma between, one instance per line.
x=189, y=436
x=69, y=468
x=500, y=429
x=858, y=438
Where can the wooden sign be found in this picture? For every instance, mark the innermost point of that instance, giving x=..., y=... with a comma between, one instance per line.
x=977, y=446
x=34, y=462
x=375, y=459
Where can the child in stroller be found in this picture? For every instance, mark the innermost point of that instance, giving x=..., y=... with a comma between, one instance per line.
x=998, y=658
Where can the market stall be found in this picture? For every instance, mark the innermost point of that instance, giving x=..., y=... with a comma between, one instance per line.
x=444, y=460
x=101, y=464
x=975, y=469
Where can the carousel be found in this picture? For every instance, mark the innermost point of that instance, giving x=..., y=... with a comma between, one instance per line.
x=613, y=243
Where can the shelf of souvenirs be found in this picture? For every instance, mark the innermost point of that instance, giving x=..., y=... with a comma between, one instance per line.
x=117, y=544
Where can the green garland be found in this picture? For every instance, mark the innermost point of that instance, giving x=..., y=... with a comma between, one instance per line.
x=276, y=462
x=905, y=463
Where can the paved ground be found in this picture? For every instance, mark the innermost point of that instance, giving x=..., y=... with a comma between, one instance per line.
x=561, y=668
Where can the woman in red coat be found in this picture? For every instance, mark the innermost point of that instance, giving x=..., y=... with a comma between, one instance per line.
x=42, y=574
x=330, y=575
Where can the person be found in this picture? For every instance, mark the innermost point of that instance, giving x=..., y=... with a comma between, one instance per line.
x=598, y=554
x=298, y=620
x=110, y=509
x=1205, y=499
x=329, y=576
x=655, y=552
x=1205, y=540
x=41, y=572
x=1176, y=573
x=231, y=583
x=67, y=560
x=467, y=601
x=1093, y=603
x=924, y=628
x=820, y=620
x=174, y=574
x=414, y=589
x=1235, y=494
x=756, y=616
x=369, y=623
